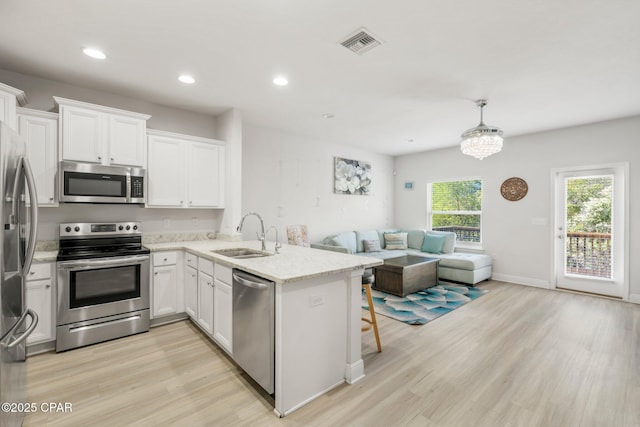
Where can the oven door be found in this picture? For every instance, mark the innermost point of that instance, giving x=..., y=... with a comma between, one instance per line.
x=94, y=288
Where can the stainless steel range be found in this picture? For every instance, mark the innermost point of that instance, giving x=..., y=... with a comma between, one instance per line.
x=103, y=283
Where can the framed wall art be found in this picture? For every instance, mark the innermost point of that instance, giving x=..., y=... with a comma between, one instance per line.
x=351, y=176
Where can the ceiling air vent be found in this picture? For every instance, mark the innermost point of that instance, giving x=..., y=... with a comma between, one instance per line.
x=361, y=41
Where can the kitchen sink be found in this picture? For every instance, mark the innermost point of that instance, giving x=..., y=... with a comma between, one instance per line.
x=241, y=253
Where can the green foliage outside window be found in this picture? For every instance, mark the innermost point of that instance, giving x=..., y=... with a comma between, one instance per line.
x=456, y=206
x=589, y=204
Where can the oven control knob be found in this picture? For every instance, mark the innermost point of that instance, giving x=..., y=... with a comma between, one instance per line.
x=67, y=229
x=128, y=227
x=76, y=228
x=120, y=228
x=135, y=227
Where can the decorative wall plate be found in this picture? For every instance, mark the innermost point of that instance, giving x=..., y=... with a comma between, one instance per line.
x=514, y=189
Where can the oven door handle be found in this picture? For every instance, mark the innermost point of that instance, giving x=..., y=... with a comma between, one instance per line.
x=102, y=262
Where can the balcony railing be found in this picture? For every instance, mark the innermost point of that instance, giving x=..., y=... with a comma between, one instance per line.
x=464, y=234
x=588, y=254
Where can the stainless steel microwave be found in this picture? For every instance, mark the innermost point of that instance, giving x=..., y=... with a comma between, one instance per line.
x=91, y=183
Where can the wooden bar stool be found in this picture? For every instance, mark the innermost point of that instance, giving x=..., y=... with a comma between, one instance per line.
x=367, y=280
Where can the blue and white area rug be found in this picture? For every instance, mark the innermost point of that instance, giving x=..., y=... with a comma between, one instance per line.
x=423, y=306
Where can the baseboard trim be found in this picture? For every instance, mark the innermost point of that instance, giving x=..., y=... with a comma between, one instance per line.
x=41, y=347
x=170, y=318
x=634, y=298
x=519, y=280
x=354, y=371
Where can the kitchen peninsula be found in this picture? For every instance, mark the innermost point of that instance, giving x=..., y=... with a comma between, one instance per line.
x=317, y=313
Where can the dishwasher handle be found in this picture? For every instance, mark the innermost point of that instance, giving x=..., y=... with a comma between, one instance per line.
x=249, y=283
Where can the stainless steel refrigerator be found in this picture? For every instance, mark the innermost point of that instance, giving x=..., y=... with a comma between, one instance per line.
x=17, y=246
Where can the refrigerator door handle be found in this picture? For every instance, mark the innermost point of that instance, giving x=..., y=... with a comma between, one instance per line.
x=15, y=197
x=33, y=230
x=25, y=334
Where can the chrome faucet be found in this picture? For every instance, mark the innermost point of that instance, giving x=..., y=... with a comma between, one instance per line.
x=260, y=236
x=278, y=245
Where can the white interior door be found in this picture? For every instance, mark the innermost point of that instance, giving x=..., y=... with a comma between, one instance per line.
x=590, y=230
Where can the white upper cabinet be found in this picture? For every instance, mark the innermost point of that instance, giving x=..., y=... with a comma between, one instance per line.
x=10, y=98
x=125, y=134
x=185, y=171
x=104, y=135
x=40, y=131
x=166, y=172
x=206, y=173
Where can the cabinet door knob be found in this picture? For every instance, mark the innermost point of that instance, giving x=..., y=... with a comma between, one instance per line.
x=165, y=259
x=51, y=199
x=112, y=159
x=47, y=286
x=99, y=157
x=155, y=274
x=193, y=275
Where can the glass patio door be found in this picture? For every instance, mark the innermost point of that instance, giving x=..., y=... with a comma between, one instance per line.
x=589, y=250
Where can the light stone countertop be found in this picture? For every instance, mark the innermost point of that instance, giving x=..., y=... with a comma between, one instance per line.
x=45, y=256
x=293, y=263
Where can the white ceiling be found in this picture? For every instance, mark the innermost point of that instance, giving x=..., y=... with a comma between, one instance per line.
x=542, y=64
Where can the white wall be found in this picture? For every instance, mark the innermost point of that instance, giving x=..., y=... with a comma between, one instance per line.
x=39, y=94
x=522, y=251
x=229, y=129
x=288, y=179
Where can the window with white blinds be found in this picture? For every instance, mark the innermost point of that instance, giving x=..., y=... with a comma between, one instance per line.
x=456, y=206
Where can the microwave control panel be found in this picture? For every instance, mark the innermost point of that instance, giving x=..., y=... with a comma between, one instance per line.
x=137, y=187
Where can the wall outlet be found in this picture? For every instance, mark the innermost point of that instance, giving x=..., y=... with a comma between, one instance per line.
x=166, y=223
x=316, y=300
x=194, y=222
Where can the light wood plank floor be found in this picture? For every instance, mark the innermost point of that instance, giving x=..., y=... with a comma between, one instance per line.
x=518, y=356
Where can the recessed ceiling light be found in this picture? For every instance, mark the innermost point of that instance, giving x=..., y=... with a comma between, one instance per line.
x=187, y=79
x=280, y=81
x=94, y=53
x=328, y=116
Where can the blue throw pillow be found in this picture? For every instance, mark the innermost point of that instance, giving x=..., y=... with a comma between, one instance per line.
x=433, y=244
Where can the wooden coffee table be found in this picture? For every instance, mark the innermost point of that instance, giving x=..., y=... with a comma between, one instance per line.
x=406, y=274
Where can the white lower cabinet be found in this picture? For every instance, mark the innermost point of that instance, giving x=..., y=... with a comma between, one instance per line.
x=166, y=292
x=207, y=298
x=205, y=294
x=223, y=308
x=205, y=302
x=39, y=297
x=191, y=292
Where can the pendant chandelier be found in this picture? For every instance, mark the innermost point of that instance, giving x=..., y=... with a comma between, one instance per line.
x=482, y=140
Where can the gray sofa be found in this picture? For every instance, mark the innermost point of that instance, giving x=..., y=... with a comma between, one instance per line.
x=469, y=268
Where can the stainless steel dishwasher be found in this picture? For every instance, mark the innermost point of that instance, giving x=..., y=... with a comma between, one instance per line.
x=254, y=327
